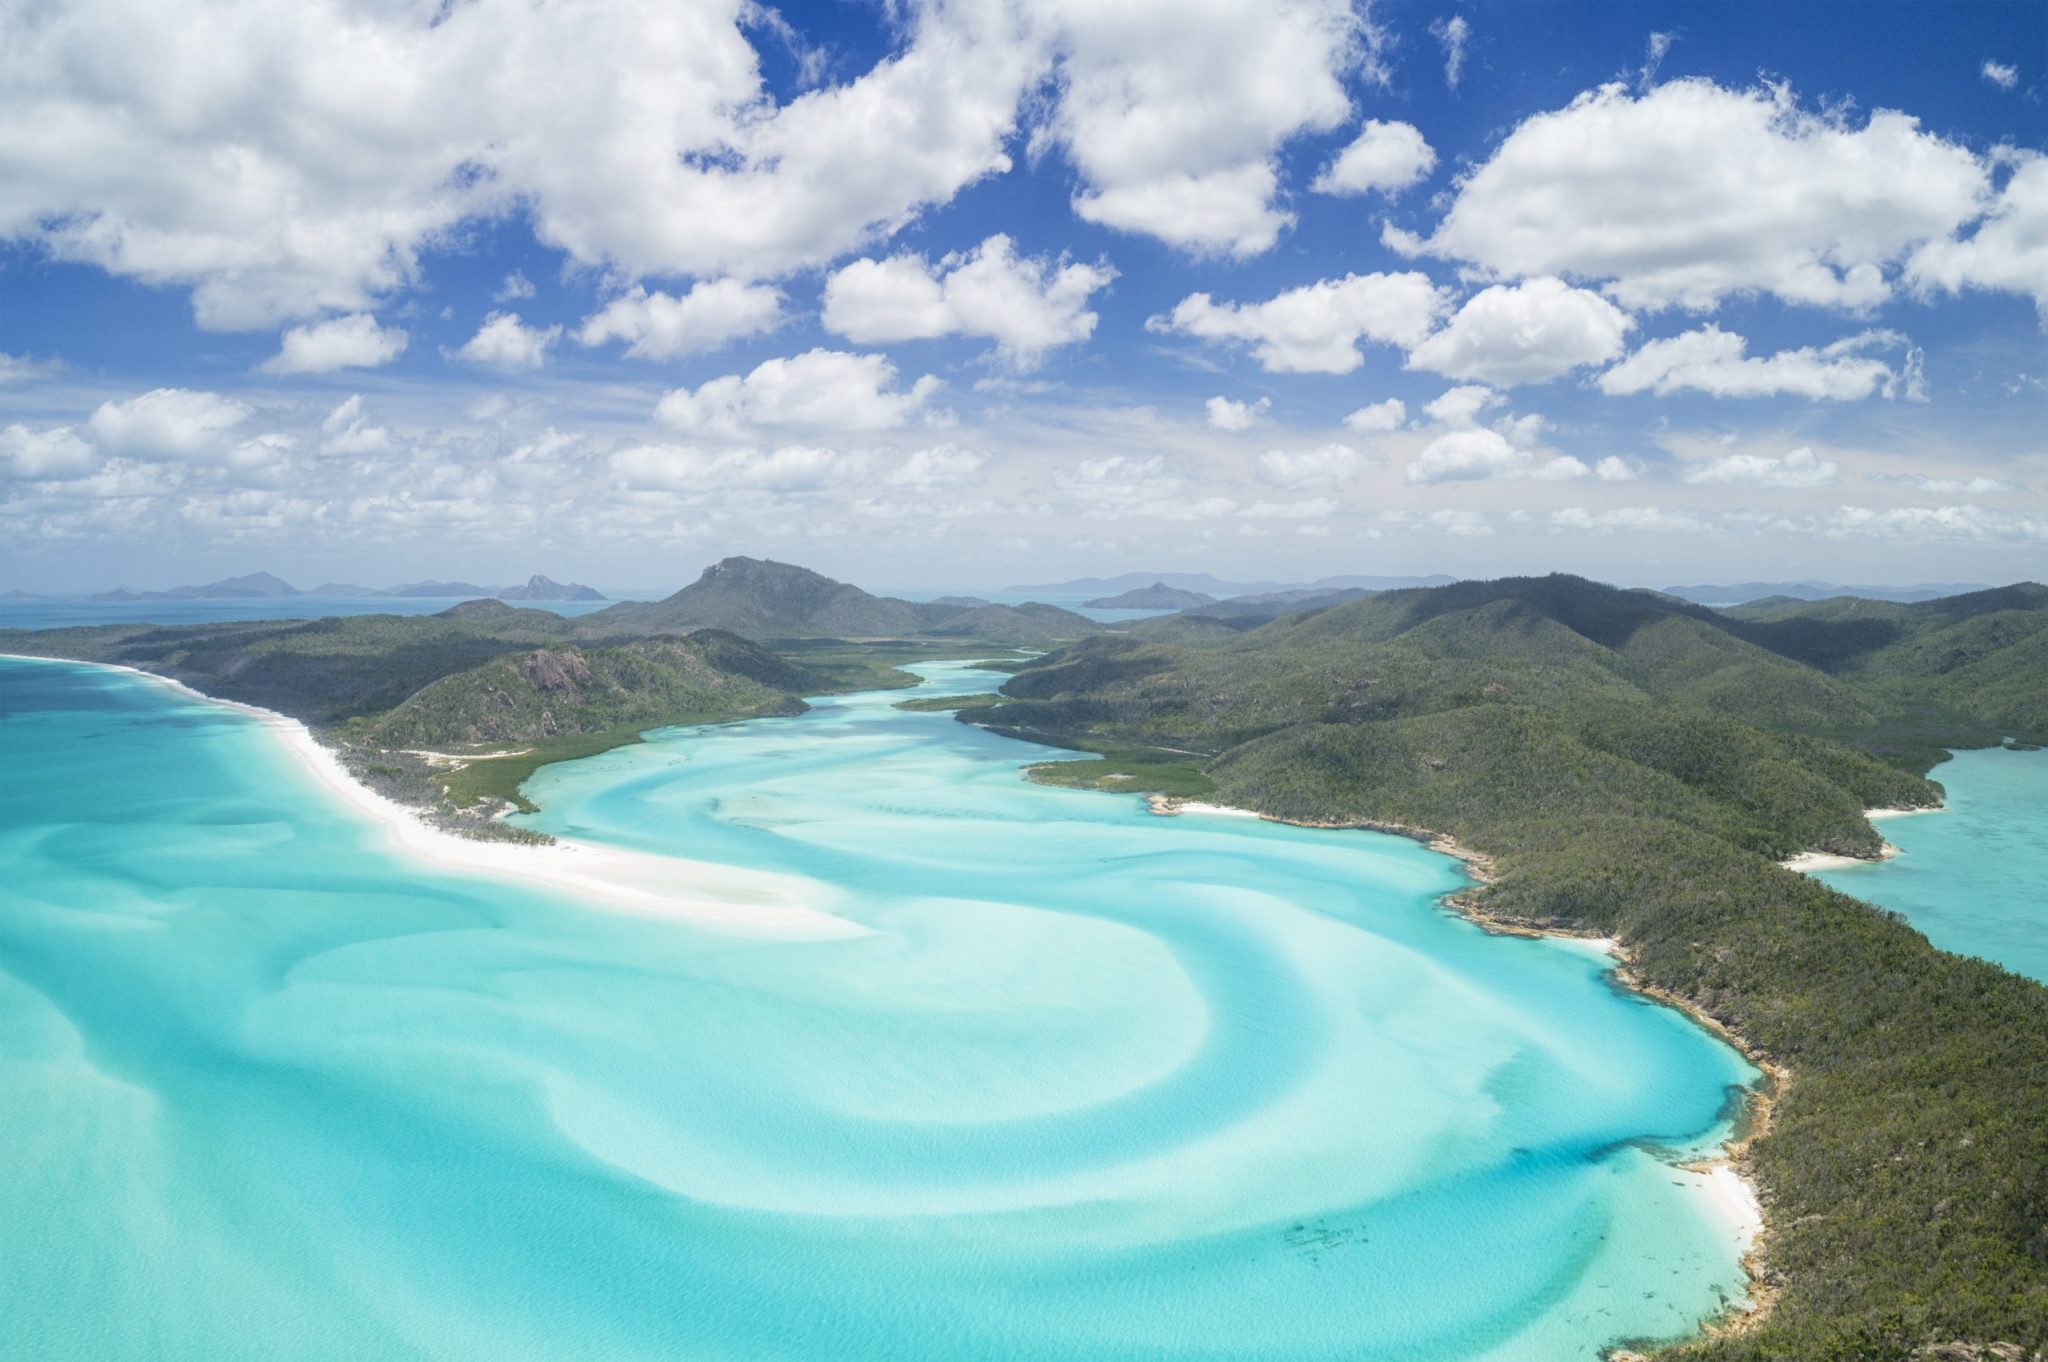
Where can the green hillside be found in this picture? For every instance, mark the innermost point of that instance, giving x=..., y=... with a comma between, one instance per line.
x=1634, y=766
x=759, y=599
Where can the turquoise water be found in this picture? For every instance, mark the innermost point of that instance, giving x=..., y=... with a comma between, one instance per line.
x=1973, y=877
x=1092, y=1084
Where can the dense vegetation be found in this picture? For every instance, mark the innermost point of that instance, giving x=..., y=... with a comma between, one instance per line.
x=1634, y=766
x=763, y=600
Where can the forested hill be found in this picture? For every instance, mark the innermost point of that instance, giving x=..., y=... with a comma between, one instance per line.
x=760, y=599
x=1636, y=765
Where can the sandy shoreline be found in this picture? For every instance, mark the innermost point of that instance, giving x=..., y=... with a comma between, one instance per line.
x=1727, y=1183
x=1806, y=862
x=755, y=903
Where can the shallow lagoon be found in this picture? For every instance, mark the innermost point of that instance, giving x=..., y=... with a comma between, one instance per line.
x=1973, y=876
x=1092, y=1084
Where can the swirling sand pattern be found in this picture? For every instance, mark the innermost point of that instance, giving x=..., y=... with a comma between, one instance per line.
x=1093, y=1084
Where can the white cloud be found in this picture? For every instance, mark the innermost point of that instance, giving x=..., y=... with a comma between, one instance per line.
x=1650, y=519
x=504, y=342
x=1310, y=467
x=1173, y=110
x=1316, y=329
x=348, y=431
x=351, y=342
x=1116, y=486
x=1225, y=414
x=1614, y=469
x=827, y=390
x=1388, y=157
x=1975, y=487
x=20, y=368
x=291, y=159
x=661, y=326
x=940, y=466
x=2009, y=250
x=1692, y=192
x=53, y=453
x=1459, y=408
x=1460, y=524
x=515, y=287
x=1478, y=454
x=1524, y=333
x=1027, y=306
x=1654, y=52
x=168, y=423
x=789, y=470
x=1800, y=468
x=1923, y=524
x=1713, y=361
x=2001, y=74
x=1379, y=416
x=1453, y=33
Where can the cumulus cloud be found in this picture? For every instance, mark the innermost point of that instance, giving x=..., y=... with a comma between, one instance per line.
x=1224, y=414
x=1649, y=519
x=351, y=342
x=1713, y=361
x=1317, y=328
x=1477, y=454
x=1388, y=157
x=1524, y=333
x=1465, y=450
x=940, y=466
x=1115, y=486
x=1975, y=487
x=1615, y=469
x=168, y=423
x=1459, y=408
x=1452, y=33
x=1378, y=416
x=787, y=470
x=514, y=287
x=1027, y=306
x=286, y=160
x=1691, y=191
x=505, y=342
x=662, y=326
x=826, y=390
x=50, y=454
x=1310, y=467
x=2001, y=74
x=1173, y=110
x=2008, y=250
x=348, y=430
x=1800, y=468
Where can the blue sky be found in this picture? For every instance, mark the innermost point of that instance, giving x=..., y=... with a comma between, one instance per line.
x=969, y=293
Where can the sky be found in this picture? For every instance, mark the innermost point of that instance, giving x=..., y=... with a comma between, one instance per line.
x=965, y=293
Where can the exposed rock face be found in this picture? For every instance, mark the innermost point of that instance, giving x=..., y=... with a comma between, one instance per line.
x=558, y=674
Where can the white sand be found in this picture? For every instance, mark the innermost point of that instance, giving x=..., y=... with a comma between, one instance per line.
x=1807, y=862
x=1734, y=1198
x=752, y=902
x=1196, y=806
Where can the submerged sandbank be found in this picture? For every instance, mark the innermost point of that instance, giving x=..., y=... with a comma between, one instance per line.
x=701, y=892
x=1725, y=1180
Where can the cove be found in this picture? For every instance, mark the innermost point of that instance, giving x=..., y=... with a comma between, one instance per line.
x=1971, y=875
x=1079, y=1082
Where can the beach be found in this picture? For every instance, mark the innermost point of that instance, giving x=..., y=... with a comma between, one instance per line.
x=730, y=898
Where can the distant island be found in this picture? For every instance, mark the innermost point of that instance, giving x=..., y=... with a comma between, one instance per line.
x=1216, y=588
x=1744, y=593
x=262, y=585
x=1158, y=596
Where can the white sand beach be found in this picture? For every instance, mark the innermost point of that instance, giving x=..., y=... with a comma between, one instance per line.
x=751, y=902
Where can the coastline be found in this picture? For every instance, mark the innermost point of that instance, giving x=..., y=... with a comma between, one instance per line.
x=1730, y=1179
x=699, y=892
x=1806, y=862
